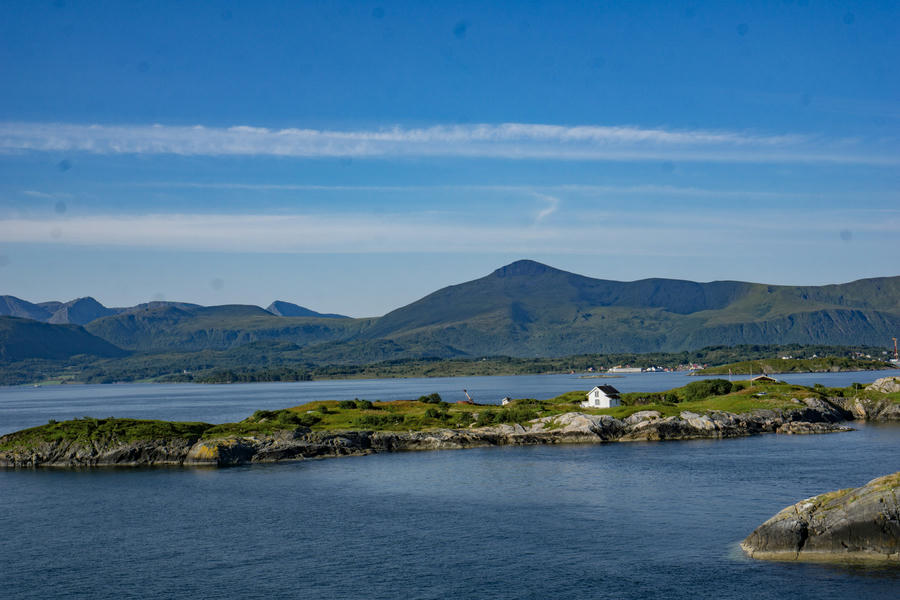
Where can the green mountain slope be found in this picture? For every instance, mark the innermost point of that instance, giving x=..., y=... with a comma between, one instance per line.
x=530, y=309
x=22, y=339
x=171, y=327
x=10, y=306
x=80, y=311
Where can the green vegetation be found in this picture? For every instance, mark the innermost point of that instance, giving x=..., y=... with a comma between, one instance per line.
x=179, y=327
x=524, y=309
x=530, y=309
x=419, y=415
x=823, y=364
x=254, y=376
x=89, y=429
x=23, y=339
x=280, y=361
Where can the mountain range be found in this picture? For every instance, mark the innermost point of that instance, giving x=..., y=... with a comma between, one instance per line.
x=524, y=309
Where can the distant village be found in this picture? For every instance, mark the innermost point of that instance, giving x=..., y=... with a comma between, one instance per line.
x=887, y=356
x=652, y=369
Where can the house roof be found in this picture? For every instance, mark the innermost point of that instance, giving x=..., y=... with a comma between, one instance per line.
x=763, y=378
x=607, y=389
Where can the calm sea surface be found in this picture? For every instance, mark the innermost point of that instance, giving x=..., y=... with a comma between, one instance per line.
x=638, y=520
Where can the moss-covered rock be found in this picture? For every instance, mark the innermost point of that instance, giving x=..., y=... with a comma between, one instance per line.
x=855, y=524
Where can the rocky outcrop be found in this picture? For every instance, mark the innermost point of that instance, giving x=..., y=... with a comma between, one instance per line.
x=805, y=427
x=810, y=416
x=847, y=525
x=63, y=453
x=868, y=409
x=885, y=385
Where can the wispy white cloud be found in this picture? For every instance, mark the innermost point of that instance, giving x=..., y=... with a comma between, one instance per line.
x=47, y=195
x=552, y=205
x=644, y=234
x=502, y=141
x=268, y=233
x=577, y=188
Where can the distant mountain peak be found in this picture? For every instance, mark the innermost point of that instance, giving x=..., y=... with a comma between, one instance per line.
x=80, y=311
x=525, y=267
x=16, y=307
x=289, y=309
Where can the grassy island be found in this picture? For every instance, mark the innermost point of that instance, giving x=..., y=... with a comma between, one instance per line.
x=824, y=364
x=431, y=413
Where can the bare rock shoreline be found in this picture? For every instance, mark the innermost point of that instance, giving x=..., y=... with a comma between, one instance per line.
x=852, y=525
x=810, y=416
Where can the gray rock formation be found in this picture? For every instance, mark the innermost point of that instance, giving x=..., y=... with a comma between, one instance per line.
x=886, y=385
x=805, y=427
x=868, y=409
x=861, y=524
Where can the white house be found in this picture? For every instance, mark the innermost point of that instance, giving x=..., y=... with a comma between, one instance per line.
x=602, y=396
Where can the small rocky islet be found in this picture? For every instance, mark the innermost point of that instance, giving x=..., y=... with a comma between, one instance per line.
x=851, y=525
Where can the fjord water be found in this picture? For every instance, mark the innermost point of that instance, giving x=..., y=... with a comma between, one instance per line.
x=626, y=520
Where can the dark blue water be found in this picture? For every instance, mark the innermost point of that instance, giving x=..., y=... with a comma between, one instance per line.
x=616, y=521
x=640, y=520
x=23, y=406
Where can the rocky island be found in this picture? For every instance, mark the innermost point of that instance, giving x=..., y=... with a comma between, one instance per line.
x=329, y=428
x=855, y=524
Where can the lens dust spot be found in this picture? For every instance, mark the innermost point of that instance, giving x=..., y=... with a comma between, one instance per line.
x=226, y=15
x=56, y=233
x=143, y=66
x=64, y=165
x=742, y=29
x=158, y=297
x=846, y=235
x=377, y=13
x=60, y=207
x=460, y=29
x=849, y=18
x=4, y=260
x=805, y=99
x=217, y=284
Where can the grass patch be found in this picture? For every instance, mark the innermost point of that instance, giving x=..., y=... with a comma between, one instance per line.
x=103, y=431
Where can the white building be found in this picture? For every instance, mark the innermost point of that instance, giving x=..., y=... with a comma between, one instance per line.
x=602, y=396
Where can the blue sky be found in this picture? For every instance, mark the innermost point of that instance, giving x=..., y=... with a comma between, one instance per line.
x=352, y=157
